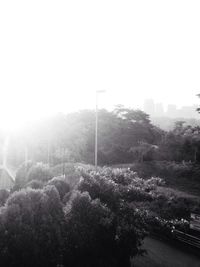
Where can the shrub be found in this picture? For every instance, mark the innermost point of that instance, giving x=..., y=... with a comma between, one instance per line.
x=101, y=187
x=61, y=185
x=132, y=193
x=69, y=170
x=113, y=185
x=35, y=184
x=39, y=172
x=89, y=231
x=173, y=208
x=97, y=236
x=4, y=194
x=164, y=228
x=101, y=223
x=31, y=228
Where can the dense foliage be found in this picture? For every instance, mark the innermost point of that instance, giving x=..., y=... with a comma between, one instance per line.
x=67, y=214
x=93, y=222
x=70, y=138
x=99, y=219
x=179, y=175
x=31, y=228
x=125, y=135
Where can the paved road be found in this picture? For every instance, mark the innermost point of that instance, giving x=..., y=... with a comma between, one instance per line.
x=161, y=254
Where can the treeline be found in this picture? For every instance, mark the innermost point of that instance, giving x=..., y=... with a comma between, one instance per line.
x=124, y=135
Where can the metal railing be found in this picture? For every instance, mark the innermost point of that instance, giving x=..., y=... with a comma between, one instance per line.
x=187, y=239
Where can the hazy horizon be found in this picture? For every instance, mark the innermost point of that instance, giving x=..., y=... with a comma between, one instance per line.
x=54, y=56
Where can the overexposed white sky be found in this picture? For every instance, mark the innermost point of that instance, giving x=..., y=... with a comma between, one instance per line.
x=55, y=54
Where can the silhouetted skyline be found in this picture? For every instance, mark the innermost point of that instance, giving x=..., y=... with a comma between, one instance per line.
x=155, y=109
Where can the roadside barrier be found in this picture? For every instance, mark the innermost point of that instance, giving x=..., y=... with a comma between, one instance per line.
x=186, y=238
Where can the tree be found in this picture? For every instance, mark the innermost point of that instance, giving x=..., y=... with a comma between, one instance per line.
x=61, y=185
x=115, y=192
x=31, y=228
x=39, y=172
x=89, y=232
x=141, y=150
x=22, y=174
x=132, y=115
x=71, y=137
x=4, y=194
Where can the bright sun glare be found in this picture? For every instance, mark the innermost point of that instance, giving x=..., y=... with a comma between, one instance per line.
x=53, y=56
x=12, y=120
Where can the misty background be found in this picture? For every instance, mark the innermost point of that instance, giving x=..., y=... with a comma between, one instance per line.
x=54, y=56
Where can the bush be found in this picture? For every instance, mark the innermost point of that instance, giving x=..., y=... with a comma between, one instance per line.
x=164, y=228
x=117, y=189
x=101, y=223
x=31, y=228
x=61, y=185
x=35, y=184
x=39, y=172
x=89, y=231
x=4, y=194
x=97, y=236
x=173, y=208
x=101, y=187
x=113, y=185
x=69, y=170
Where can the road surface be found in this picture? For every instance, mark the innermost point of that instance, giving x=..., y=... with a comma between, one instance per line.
x=161, y=254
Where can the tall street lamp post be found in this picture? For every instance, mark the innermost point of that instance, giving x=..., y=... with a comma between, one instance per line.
x=96, y=129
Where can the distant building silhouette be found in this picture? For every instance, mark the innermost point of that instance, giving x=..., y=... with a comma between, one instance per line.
x=157, y=110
